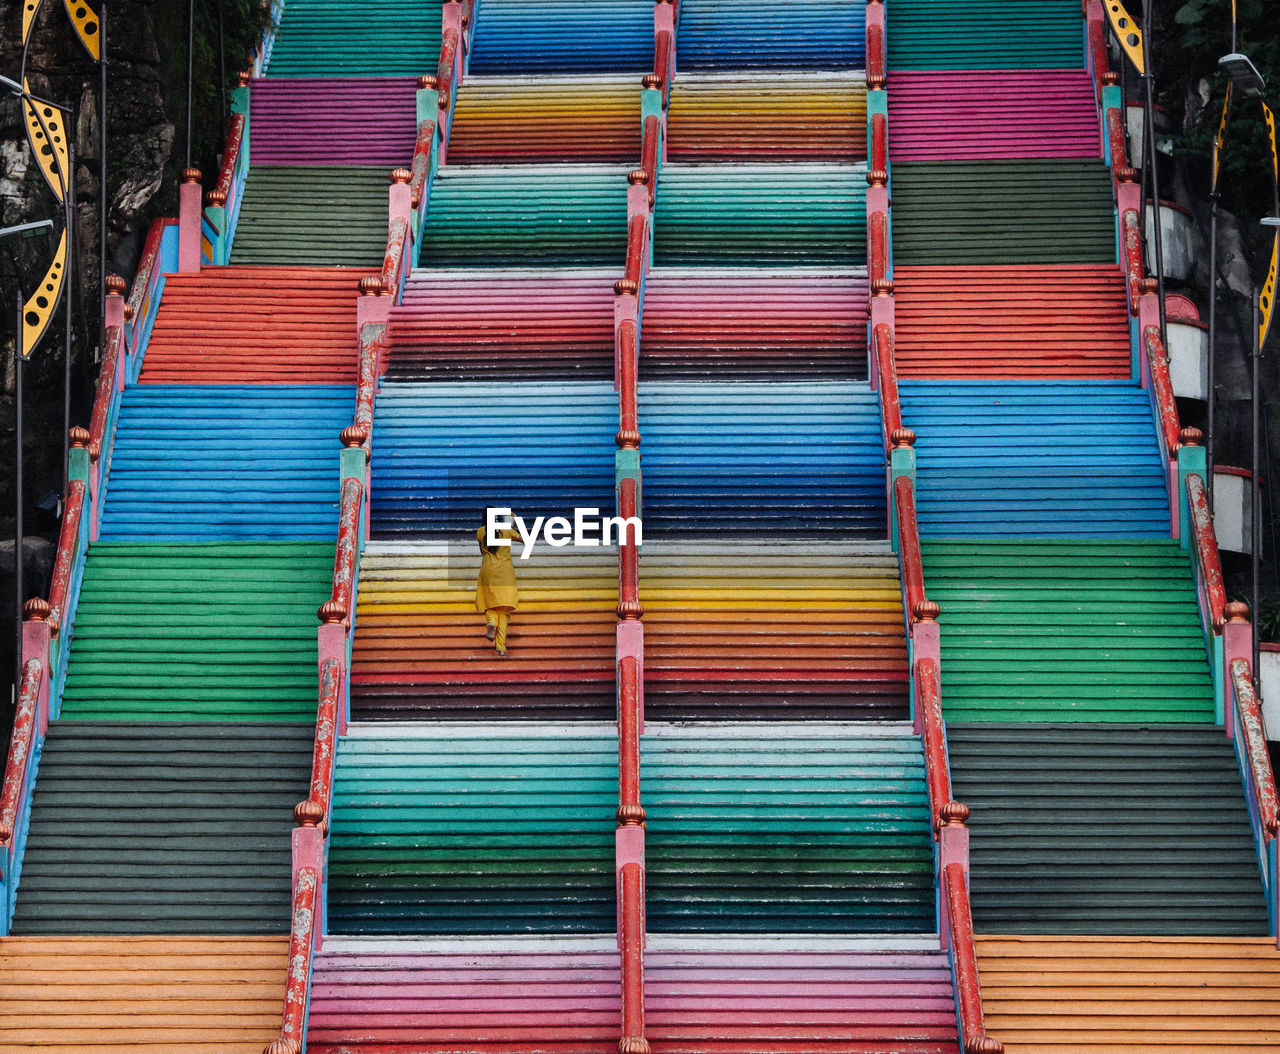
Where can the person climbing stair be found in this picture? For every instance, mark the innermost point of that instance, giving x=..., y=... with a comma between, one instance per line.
x=496, y=593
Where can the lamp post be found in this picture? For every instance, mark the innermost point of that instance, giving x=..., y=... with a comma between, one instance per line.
x=1245, y=79
x=22, y=231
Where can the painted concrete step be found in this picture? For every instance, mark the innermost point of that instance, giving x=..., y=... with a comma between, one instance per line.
x=116, y=995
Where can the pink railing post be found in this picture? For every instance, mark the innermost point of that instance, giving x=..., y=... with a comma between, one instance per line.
x=190, y=212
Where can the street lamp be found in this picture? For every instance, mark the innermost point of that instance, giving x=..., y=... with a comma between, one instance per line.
x=1243, y=74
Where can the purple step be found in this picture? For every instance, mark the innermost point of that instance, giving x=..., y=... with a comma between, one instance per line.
x=333, y=121
x=557, y=997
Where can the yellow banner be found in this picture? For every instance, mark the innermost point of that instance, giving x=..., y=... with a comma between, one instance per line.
x=85, y=21
x=1127, y=31
x=48, y=139
x=1267, y=298
x=1221, y=137
x=30, y=9
x=38, y=311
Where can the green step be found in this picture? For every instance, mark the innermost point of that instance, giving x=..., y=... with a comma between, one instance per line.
x=317, y=215
x=1116, y=829
x=957, y=35
x=460, y=832
x=198, y=632
x=820, y=828
x=1003, y=212
x=533, y=215
x=336, y=38
x=1069, y=631
x=163, y=827
x=761, y=214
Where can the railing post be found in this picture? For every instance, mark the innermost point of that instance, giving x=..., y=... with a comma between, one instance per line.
x=189, y=221
x=1190, y=458
x=1236, y=643
x=902, y=464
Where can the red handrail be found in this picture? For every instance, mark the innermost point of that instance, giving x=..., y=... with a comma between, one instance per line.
x=1135, y=270
x=909, y=542
x=632, y=882
x=421, y=166
x=890, y=404
x=367, y=385
x=637, y=249
x=879, y=145
x=964, y=956
x=146, y=265
x=1158, y=359
x=937, y=770
x=651, y=139
x=68, y=546
x=1116, y=139
x=662, y=63
x=235, y=137
x=301, y=944
x=879, y=261
x=394, y=256
x=21, y=742
x=348, y=548
x=321, y=788
x=876, y=66
x=1206, y=550
x=444, y=68
x=105, y=392
x=1255, y=744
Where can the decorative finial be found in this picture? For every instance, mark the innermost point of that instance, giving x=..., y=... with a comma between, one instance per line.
x=215, y=197
x=1236, y=611
x=244, y=77
x=651, y=80
x=1190, y=436
x=624, y=286
x=401, y=175
x=35, y=610
x=79, y=437
x=331, y=611
x=1110, y=78
x=638, y=177
x=354, y=435
x=1127, y=174
x=877, y=177
x=627, y=437
x=191, y=175
x=902, y=437
x=115, y=285
x=428, y=81
x=926, y=611
x=953, y=813
x=630, y=609
x=881, y=287
x=308, y=813
x=877, y=81
x=1147, y=286
x=630, y=815
x=371, y=285
x=635, y=1044
x=283, y=1046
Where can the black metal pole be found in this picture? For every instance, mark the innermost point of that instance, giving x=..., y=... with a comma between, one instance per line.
x=222, y=65
x=1255, y=502
x=102, y=182
x=1149, y=150
x=17, y=496
x=69, y=211
x=191, y=61
x=1210, y=394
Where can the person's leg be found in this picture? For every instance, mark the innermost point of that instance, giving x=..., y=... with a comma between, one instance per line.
x=491, y=617
x=500, y=636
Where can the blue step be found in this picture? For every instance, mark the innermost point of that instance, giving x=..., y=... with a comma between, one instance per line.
x=1030, y=460
x=563, y=36
x=715, y=456
x=771, y=34
x=761, y=457
x=195, y=462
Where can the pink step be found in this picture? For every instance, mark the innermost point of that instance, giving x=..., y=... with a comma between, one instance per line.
x=558, y=1002
x=992, y=114
x=333, y=121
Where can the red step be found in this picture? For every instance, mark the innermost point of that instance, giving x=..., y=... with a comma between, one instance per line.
x=256, y=325
x=1041, y=322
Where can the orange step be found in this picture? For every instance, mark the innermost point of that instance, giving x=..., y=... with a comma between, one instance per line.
x=1131, y=995
x=1008, y=322
x=256, y=325
x=110, y=995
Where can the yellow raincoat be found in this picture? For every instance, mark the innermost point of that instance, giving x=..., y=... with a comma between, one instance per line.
x=496, y=587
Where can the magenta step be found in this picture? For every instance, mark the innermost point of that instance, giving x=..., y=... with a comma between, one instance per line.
x=565, y=998
x=992, y=114
x=506, y=325
x=333, y=121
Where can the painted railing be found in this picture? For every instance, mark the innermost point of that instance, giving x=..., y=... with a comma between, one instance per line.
x=408, y=199
x=1227, y=630
x=48, y=624
x=948, y=818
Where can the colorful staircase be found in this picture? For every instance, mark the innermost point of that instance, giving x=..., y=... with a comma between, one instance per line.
x=1122, y=863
